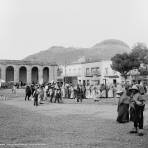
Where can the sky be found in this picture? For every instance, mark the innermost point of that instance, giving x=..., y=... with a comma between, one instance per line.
x=30, y=26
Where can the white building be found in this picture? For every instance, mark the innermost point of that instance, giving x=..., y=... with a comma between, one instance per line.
x=91, y=72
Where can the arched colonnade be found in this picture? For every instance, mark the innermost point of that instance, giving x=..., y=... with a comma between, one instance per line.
x=27, y=73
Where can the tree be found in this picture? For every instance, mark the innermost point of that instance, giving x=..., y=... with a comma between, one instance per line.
x=140, y=52
x=123, y=63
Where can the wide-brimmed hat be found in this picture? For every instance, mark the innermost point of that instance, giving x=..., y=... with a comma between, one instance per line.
x=52, y=81
x=119, y=92
x=134, y=87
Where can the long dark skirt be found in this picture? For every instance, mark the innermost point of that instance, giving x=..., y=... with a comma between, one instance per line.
x=123, y=113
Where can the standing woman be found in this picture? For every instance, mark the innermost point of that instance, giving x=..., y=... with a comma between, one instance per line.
x=63, y=90
x=123, y=106
x=110, y=92
x=90, y=91
x=72, y=92
x=87, y=92
x=41, y=93
x=94, y=93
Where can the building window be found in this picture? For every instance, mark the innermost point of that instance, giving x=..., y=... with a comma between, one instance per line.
x=95, y=71
x=87, y=71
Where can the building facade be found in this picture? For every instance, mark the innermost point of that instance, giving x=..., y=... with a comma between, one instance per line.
x=92, y=72
x=138, y=75
x=27, y=71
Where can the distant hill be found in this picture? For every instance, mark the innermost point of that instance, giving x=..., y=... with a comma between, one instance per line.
x=61, y=55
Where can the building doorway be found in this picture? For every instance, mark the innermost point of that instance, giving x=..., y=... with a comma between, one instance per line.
x=34, y=75
x=45, y=74
x=23, y=74
x=9, y=74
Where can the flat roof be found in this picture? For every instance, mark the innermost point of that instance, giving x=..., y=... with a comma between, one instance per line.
x=87, y=62
x=23, y=62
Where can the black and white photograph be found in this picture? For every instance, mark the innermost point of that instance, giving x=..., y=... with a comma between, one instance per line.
x=73, y=73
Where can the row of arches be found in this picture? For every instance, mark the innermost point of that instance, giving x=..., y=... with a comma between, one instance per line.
x=23, y=74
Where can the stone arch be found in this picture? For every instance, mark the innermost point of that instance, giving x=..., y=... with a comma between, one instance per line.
x=9, y=73
x=35, y=75
x=23, y=74
x=45, y=74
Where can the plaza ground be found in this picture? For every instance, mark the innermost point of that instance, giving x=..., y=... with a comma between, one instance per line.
x=67, y=125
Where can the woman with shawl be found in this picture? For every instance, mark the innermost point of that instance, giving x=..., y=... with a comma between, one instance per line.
x=123, y=106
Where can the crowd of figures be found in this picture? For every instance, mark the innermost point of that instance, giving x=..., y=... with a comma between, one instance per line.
x=131, y=102
x=54, y=92
x=131, y=106
x=8, y=85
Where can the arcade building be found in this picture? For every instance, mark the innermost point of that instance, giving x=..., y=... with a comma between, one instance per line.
x=27, y=71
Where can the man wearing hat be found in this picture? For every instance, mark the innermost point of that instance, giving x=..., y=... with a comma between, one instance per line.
x=57, y=93
x=136, y=110
x=35, y=95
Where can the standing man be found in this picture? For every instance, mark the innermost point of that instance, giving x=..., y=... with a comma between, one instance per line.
x=27, y=92
x=35, y=95
x=79, y=93
x=57, y=93
x=136, y=110
x=83, y=91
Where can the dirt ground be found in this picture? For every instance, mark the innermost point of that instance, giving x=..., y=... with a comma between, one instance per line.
x=67, y=125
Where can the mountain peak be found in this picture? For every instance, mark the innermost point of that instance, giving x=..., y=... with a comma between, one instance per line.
x=111, y=42
x=101, y=51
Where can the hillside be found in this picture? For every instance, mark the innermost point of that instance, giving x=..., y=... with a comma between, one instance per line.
x=101, y=51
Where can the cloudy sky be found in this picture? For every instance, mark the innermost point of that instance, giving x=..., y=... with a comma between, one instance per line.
x=28, y=26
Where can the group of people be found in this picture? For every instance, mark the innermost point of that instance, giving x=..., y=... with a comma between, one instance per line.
x=93, y=91
x=131, y=102
x=43, y=92
x=54, y=92
x=131, y=106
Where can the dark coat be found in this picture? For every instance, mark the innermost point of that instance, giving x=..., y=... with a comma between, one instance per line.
x=28, y=91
